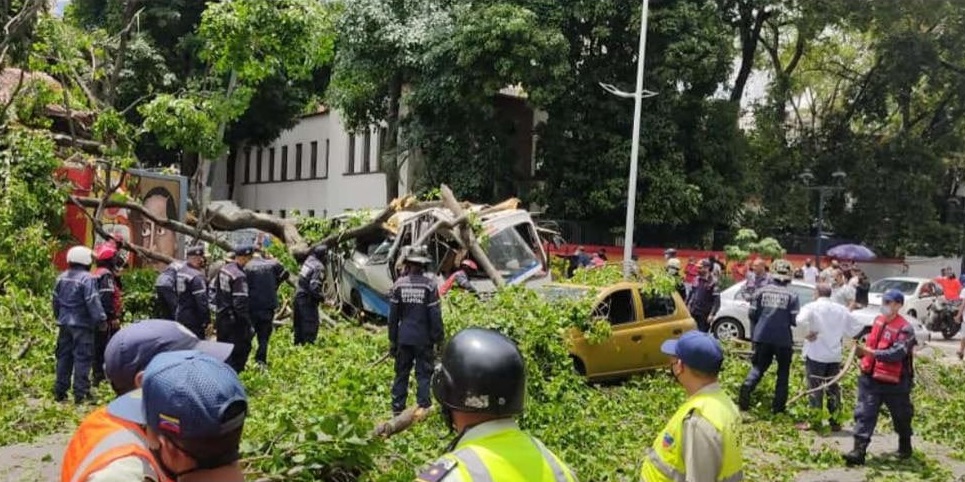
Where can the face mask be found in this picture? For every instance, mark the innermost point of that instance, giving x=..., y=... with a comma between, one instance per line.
x=886, y=310
x=807, y=265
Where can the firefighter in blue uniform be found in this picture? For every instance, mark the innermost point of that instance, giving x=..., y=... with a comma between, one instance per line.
x=233, y=315
x=265, y=275
x=415, y=327
x=308, y=294
x=192, y=293
x=773, y=312
x=165, y=292
x=78, y=309
x=887, y=376
x=109, y=290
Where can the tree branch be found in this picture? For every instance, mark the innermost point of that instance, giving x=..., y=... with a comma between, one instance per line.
x=99, y=229
x=129, y=15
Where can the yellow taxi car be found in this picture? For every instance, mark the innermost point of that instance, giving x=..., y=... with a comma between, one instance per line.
x=640, y=323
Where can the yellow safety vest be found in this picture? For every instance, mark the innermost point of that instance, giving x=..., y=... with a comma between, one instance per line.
x=665, y=459
x=508, y=455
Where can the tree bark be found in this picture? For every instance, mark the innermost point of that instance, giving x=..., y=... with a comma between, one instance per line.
x=469, y=239
x=750, y=32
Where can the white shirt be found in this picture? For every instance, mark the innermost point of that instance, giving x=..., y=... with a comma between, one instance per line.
x=832, y=322
x=843, y=295
x=124, y=469
x=810, y=274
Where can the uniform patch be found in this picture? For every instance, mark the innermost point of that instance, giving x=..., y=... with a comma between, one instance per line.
x=437, y=471
x=667, y=440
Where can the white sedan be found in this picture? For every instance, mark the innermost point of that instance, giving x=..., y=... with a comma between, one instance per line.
x=919, y=293
x=732, y=320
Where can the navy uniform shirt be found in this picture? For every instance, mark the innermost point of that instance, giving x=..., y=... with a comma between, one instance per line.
x=232, y=293
x=773, y=311
x=77, y=301
x=704, y=297
x=310, y=279
x=264, y=277
x=192, y=291
x=415, y=317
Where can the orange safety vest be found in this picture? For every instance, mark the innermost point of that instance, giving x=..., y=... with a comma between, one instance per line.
x=102, y=439
x=883, y=335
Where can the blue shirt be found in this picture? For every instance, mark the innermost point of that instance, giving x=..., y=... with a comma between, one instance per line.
x=264, y=277
x=77, y=302
x=773, y=311
x=415, y=317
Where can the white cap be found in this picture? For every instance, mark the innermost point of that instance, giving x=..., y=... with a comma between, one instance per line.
x=673, y=263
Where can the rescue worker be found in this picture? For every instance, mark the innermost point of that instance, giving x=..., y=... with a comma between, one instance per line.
x=481, y=385
x=233, y=313
x=109, y=290
x=265, y=276
x=460, y=278
x=192, y=292
x=165, y=291
x=415, y=327
x=308, y=295
x=673, y=269
x=194, y=408
x=700, y=442
x=105, y=447
x=704, y=299
x=887, y=376
x=79, y=313
x=773, y=312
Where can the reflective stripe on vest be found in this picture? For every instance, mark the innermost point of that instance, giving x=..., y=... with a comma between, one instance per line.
x=472, y=459
x=665, y=458
x=102, y=439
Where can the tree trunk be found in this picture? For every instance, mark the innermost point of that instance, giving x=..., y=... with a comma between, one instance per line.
x=469, y=239
x=391, y=164
x=750, y=32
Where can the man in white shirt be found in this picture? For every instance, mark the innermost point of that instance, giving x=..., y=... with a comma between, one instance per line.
x=827, y=323
x=810, y=272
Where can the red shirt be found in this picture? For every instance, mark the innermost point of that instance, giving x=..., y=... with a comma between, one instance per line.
x=690, y=273
x=951, y=287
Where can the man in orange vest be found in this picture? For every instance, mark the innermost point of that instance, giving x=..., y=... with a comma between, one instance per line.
x=107, y=448
x=886, y=378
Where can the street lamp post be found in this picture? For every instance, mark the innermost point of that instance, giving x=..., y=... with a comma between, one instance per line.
x=807, y=177
x=638, y=95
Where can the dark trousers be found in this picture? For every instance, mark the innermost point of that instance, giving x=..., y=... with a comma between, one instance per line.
x=818, y=374
x=702, y=323
x=407, y=356
x=239, y=333
x=764, y=355
x=870, y=398
x=165, y=303
x=196, y=327
x=263, y=321
x=305, y=321
x=101, y=337
x=75, y=353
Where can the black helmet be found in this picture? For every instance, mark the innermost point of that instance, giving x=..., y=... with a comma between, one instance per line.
x=482, y=371
x=320, y=251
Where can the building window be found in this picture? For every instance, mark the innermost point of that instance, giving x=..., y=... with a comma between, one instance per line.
x=311, y=213
x=328, y=149
x=268, y=212
x=271, y=164
x=247, y=165
x=367, y=151
x=282, y=213
x=298, y=161
x=314, y=160
x=351, y=154
x=258, y=165
x=284, y=164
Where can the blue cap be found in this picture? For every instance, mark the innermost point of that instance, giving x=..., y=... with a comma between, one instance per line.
x=196, y=250
x=893, y=295
x=243, y=250
x=697, y=350
x=135, y=345
x=186, y=395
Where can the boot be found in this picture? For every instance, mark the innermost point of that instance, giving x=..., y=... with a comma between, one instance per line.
x=904, y=447
x=857, y=456
x=744, y=400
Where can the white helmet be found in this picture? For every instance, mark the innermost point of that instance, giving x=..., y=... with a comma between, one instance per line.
x=673, y=263
x=80, y=255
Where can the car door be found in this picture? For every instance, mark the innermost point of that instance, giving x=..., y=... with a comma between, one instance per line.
x=664, y=317
x=623, y=351
x=925, y=296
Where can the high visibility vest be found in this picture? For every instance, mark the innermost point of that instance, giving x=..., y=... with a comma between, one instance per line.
x=884, y=334
x=102, y=439
x=665, y=459
x=508, y=455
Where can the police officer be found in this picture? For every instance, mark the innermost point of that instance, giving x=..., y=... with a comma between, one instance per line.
x=233, y=314
x=308, y=294
x=79, y=312
x=192, y=293
x=481, y=385
x=700, y=442
x=773, y=312
x=887, y=376
x=415, y=326
x=109, y=290
x=265, y=275
x=165, y=292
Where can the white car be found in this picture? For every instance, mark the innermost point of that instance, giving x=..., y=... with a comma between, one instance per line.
x=732, y=320
x=920, y=293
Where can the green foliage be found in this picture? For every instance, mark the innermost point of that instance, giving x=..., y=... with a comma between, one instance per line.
x=747, y=244
x=138, y=293
x=190, y=123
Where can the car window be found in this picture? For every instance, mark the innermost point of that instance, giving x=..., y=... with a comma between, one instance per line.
x=655, y=306
x=804, y=293
x=616, y=308
x=906, y=287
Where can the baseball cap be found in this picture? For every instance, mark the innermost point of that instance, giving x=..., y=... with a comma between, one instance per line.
x=697, y=350
x=893, y=295
x=187, y=395
x=134, y=346
x=243, y=250
x=196, y=250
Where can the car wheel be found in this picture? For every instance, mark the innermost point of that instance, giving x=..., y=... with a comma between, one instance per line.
x=949, y=332
x=578, y=366
x=913, y=313
x=726, y=329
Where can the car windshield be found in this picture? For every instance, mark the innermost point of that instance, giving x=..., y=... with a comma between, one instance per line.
x=905, y=286
x=510, y=254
